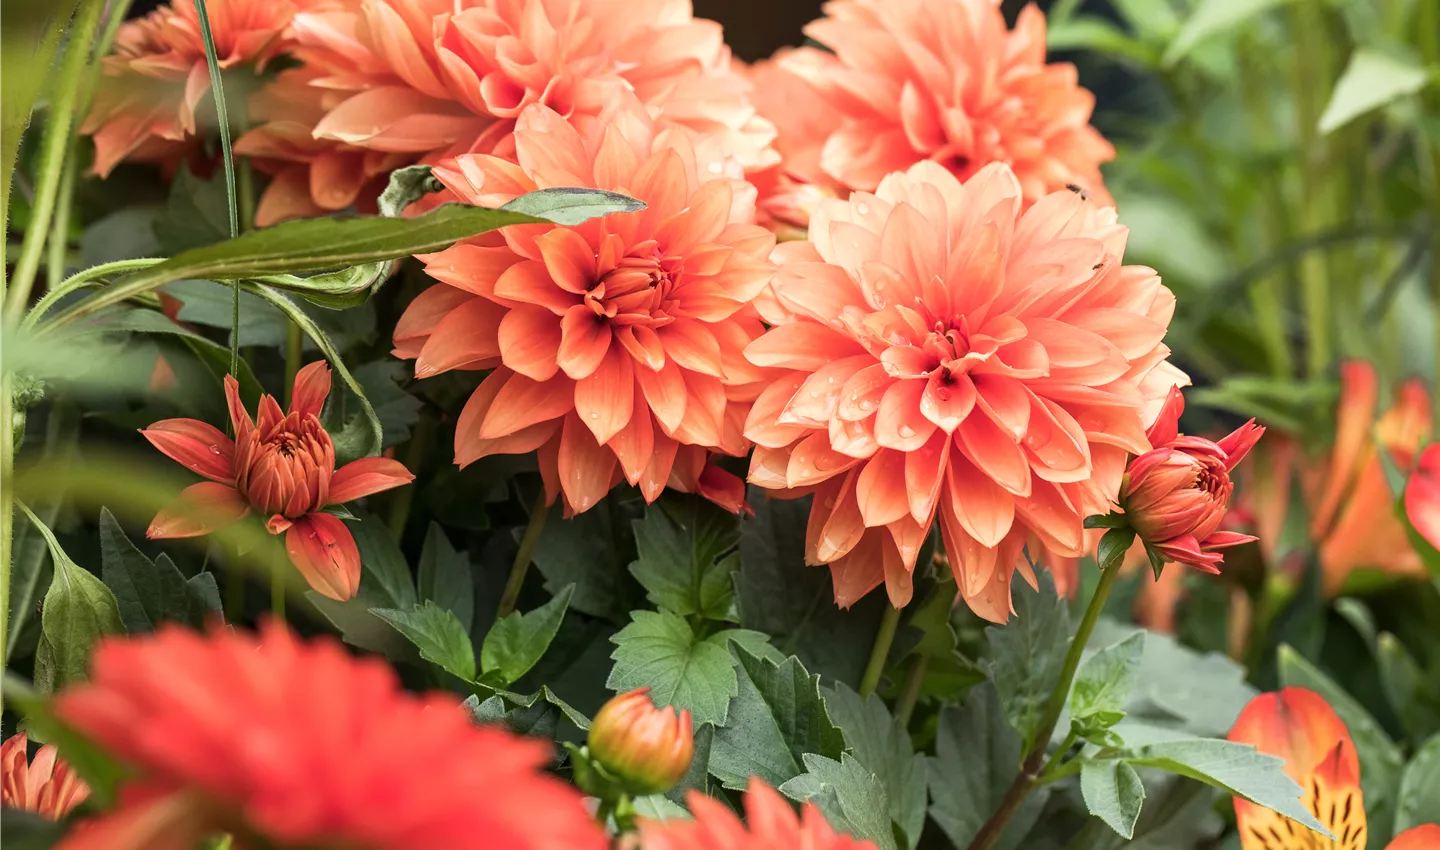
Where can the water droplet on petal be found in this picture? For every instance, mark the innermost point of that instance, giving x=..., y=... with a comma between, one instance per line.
x=906, y=432
x=715, y=168
x=862, y=208
x=594, y=415
x=215, y=450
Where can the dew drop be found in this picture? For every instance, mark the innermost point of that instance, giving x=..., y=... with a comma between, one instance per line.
x=814, y=393
x=594, y=415
x=906, y=431
x=830, y=380
x=215, y=450
x=715, y=168
x=863, y=209
x=867, y=404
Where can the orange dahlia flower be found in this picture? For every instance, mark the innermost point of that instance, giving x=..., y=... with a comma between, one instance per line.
x=1299, y=726
x=430, y=78
x=145, y=107
x=299, y=743
x=939, y=80
x=646, y=747
x=282, y=466
x=616, y=345
x=45, y=785
x=949, y=353
x=770, y=824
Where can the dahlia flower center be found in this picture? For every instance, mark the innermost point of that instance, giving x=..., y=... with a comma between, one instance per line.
x=637, y=290
x=288, y=470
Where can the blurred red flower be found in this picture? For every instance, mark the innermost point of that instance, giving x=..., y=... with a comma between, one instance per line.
x=299, y=743
x=282, y=466
x=770, y=824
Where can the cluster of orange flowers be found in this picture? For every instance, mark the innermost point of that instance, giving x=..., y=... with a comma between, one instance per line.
x=956, y=337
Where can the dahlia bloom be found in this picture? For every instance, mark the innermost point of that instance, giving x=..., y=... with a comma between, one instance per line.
x=1176, y=495
x=948, y=353
x=938, y=80
x=145, y=106
x=770, y=824
x=45, y=785
x=647, y=748
x=282, y=466
x=299, y=743
x=616, y=345
x=433, y=78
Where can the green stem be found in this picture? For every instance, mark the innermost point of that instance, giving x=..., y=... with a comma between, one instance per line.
x=7, y=499
x=60, y=230
x=1033, y=764
x=53, y=147
x=294, y=341
x=1058, y=755
x=910, y=690
x=523, y=556
x=80, y=280
x=414, y=460
x=884, y=637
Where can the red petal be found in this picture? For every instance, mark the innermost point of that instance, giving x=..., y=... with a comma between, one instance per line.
x=1167, y=425
x=365, y=476
x=200, y=509
x=239, y=417
x=1422, y=496
x=324, y=551
x=312, y=387
x=196, y=445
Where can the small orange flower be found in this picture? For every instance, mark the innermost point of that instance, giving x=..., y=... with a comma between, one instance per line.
x=1176, y=495
x=646, y=747
x=281, y=466
x=770, y=824
x=953, y=354
x=45, y=785
x=299, y=743
x=616, y=345
x=937, y=80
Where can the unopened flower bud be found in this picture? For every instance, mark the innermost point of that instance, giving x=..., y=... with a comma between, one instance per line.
x=648, y=749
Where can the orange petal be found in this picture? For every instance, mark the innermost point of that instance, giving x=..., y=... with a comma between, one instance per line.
x=522, y=402
x=200, y=509
x=365, y=476
x=529, y=339
x=1423, y=837
x=1359, y=393
x=467, y=338
x=983, y=508
x=584, y=339
x=324, y=551
x=880, y=488
x=586, y=467
x=605, y=399
x=197, y=446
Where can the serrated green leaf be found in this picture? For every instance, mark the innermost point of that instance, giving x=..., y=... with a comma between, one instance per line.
x=851, y=797
x=682, y=544
x=397, y=410
x=1234, y=768
x=518, y=640
x=658, y=807
x=584, y=551
x=883, y=746
x=536, y=714
x=977, y=756
x=445, y=576
x=385, y=580
x=1102, y=684
x=78, y=610
x=1026, y=654
x=438, y=635
x=1419, y=799
x=1372, y=78
x=776, y=717
x=660, y=651
x=147, y=593
x=1113, y=793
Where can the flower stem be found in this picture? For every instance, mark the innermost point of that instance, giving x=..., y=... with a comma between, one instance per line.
x=294, y=341
x=910, y=690
x=414, y=460
x=1033, y=766
x=7, y=516
x=277, y=591
x=884, y=637
x=523, y=555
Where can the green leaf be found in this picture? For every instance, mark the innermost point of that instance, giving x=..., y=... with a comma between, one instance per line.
x=1096, y=34
x=1419, y=799
x=1113, y=793
x=22, y=830
x=852, y=798
x=360, y=627
x=140, y=320
x=397, y=410
x=1113, y=546
x=658, y=807
x=323, y=244
x=584, y=551
x=385, y=576
x=445, y=576
x=203, y=587
x=30, y=571
x=1380, y=759
x=78, y=610
x=660, y=651
x=1415, y=699
x=697, y=778
x=776, y=717
x=438, y=635
x=883, y=746
x=519, y=640
x=977, y=756
x=1210, y=18
x=1107, y=521
x=682, y=544
x=147, y=592
x=1371, y=79
x=1237, y=769
x=196, y=213
x=1026, y=654
x=406, y=186
x=536, y=714
x=1102, y=684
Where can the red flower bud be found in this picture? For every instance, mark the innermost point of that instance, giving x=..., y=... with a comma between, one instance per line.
x=1175, y=496
x=646, y=748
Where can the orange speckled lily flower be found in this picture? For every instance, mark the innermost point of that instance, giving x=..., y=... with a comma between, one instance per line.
x=45, y=785
x=617, y=344
x=938, y=80
x=770, y=824
x=951, y=354
x=298, y=743
x=1299, y=726
x=281, y=465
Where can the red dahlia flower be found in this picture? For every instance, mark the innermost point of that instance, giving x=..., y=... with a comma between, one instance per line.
x=45, y=785
x=282, y=466
x=1176, y=495
x=770, y=824
x=300, y=744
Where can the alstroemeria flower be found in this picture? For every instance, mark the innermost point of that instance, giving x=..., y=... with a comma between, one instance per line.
x=282, y=466
x=46, y=785
x=1422, y=496
x=1176, y=495
x=1299, y=726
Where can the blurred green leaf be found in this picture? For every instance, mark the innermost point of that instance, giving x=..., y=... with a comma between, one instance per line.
x=1414, y=696
x=1113, y=793
x=1211, y=18
x=518, y=640
x=1100, y=36
x=98, y=768
x=78, y=610
x=1419, y=799
x=1371, y=79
